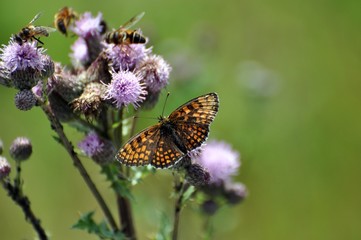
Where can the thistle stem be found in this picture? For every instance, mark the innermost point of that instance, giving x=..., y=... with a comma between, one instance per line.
x=58, y=128
x=124, y=206
x=126, y=217
x=23, y=201
x=177, y=209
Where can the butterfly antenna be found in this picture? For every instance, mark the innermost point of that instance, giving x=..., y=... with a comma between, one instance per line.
x=166, y=98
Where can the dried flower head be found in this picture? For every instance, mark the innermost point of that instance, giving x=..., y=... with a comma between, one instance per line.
x=219, y=160
x=124, y=89
x=21, y=149
x=5, y=167
x=91, y=100
x=25, y=100
x=154, y=71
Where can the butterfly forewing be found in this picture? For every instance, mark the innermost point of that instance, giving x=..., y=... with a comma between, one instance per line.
x=192, y=119
x=202, y=109
x=165, y=143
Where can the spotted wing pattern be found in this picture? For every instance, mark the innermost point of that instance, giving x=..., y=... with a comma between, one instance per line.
x=166, y=154
x=163, y=144
x=140, y=149
x=192, y=119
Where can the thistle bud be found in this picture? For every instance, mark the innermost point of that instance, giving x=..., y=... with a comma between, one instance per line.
x=25, y=100
x=21, y=149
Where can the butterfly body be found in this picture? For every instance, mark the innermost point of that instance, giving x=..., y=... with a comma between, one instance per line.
x=165, y=143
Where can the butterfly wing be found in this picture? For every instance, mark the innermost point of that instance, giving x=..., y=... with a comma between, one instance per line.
x=192, y=119
x=140, y=149
x=167, y=153
x=150, y=146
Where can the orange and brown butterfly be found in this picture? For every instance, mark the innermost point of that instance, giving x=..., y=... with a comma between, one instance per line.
x=164, y=144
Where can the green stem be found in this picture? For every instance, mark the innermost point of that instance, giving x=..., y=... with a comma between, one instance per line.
x=177, y=209
x=58, y=128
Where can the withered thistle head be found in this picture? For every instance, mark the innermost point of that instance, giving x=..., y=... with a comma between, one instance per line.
x=90, y=102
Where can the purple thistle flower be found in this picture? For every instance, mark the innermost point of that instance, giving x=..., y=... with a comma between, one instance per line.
x=124, y=89
x=91, y=144
x=26, y=64
x=219, y=160
x=90, y=29
x=154, y=71
x=21, y=57
x=5, y=167
x=88, y=26
x=99, y=149
x=126, y=56
x=80, y=54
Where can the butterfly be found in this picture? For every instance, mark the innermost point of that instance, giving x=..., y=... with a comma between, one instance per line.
x=165, y=143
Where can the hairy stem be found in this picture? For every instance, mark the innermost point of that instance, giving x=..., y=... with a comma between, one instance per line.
x=126, y=217
x=124, y=206
x=58, y=128
x=177, y=209
x=23, y=201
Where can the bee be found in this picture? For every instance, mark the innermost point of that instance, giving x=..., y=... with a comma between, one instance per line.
x=64, y=18
x=31, y=32
x=123, y=35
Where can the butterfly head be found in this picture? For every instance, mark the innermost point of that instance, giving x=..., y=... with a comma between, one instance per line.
x=162, y=119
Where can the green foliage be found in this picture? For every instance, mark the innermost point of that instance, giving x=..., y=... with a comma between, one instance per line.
x=187, y=194
x=86, y=222
x=120, y=184
x=165, y=228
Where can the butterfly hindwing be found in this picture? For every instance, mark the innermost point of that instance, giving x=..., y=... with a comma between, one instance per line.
x=192, y=135
x=167, y=153
x=140, y=149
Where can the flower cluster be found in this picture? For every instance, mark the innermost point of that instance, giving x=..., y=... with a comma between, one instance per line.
x=104, y=75
x=111, y=71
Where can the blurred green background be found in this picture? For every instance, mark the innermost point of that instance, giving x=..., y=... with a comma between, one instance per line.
x=288, y=77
